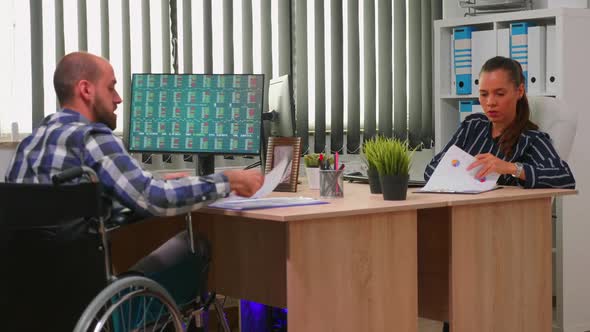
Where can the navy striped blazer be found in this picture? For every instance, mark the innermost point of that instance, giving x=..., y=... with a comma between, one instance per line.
x=541, y=163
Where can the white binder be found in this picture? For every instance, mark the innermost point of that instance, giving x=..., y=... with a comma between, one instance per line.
x=482, y=49
x=536, y=60
x=476, y=108
x=453, y=76
x=552, y=77
x=468, y=107
x=503, y=46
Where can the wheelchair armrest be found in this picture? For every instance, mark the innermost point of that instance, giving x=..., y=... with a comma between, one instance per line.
x=123, y=217
x=73, y=173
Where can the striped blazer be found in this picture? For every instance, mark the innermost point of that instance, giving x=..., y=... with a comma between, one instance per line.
x=541, y=163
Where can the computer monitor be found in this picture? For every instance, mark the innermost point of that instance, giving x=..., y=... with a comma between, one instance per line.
x=280, y=107
x=208, y=115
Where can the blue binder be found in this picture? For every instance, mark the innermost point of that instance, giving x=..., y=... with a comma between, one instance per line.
x=466, y=108
x=462, y=59
x=519, y=46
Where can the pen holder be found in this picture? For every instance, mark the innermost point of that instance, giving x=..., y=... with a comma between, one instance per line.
x=331, y=184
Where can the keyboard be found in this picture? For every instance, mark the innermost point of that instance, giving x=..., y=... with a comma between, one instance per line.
x=365, y=179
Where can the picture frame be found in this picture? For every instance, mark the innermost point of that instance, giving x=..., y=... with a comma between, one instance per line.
x=276, y=149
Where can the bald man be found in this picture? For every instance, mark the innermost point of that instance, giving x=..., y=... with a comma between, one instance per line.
x=81, y=134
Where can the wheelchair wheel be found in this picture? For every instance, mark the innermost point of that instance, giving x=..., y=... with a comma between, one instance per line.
x=131, y=304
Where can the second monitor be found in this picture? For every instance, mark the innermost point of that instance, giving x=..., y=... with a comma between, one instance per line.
x=280, y=108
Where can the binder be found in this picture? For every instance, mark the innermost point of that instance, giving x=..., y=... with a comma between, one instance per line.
x=482, y=49
x=468, y=107
x=462, y=59
x=453, y=76
x=552, y=78
x=536, y=60
x=503, y=46
x=519, y=46
x=476, y=107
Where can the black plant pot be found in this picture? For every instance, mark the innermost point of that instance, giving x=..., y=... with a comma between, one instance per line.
x=374, y=182
x=395, y=187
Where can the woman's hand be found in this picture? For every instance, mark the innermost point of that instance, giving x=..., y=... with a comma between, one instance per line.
x=491, y=164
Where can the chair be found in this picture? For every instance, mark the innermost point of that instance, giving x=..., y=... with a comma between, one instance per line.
x=55, y=242
x=553, y=117
x=45, y=236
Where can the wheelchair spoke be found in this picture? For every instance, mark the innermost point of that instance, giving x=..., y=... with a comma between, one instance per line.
x=158, y=318
x=129, y=322
x=132, y=304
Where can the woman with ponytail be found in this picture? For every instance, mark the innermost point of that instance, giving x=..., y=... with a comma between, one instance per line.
x=503, y=139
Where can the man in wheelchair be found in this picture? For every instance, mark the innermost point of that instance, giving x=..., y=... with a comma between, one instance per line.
x=80, y=134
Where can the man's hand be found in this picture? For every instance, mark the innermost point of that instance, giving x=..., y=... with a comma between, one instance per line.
x=491, y=164
x=244, y=183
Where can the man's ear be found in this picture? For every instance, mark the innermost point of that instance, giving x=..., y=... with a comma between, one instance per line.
x=85, y=90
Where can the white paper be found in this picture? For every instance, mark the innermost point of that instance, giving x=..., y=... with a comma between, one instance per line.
x=271, y=181
x=265, y=203
x=451, y=175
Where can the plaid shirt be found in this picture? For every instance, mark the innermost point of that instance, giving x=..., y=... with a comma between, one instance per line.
x=67, y=139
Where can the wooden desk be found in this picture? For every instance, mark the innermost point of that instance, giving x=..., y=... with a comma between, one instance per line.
x=347, y=266
x=483, y=261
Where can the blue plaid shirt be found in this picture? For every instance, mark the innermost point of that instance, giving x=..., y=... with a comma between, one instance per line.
x=67, y=139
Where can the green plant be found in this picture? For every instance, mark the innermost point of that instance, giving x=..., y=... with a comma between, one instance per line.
x=369, y=151
x=392, y=156
x=312, y=160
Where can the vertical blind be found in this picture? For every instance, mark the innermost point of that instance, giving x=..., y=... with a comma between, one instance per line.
x=378, y=54
x=359, y=68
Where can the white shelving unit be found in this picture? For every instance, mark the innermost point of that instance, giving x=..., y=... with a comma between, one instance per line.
x=572, y=61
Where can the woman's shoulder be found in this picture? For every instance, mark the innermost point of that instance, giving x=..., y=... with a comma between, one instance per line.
x=536, y=134
x=476, y=118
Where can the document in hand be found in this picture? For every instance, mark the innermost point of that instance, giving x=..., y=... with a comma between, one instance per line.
x=451, y=175
x=271, y=180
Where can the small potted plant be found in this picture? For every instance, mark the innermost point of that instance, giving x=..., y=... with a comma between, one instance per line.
x=393, y=161
x=312, y=168
x=369, y=150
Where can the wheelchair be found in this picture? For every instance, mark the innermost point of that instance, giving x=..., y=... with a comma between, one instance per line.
x=57, y=273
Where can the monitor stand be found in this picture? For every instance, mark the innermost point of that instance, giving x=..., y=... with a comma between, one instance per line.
x=205, y=164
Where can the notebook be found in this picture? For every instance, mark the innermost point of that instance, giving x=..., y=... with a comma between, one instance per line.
x=365, y=179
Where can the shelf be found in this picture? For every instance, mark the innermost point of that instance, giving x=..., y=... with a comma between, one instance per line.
x=459, y=97
x=474, y=9
x=506, y=5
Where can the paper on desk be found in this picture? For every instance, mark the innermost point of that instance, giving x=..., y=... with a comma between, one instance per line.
x=256, y=201
x=271, y=181
x=451, y=175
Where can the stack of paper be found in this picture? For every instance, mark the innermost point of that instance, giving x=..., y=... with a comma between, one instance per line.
x=271, y=181
x=265, y=203
x=451, y=175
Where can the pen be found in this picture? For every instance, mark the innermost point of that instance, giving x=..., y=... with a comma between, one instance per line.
x=341, y=167
x=336, y=160
x=321, y=162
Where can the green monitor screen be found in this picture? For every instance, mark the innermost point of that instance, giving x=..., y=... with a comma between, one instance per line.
x=196, y=113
